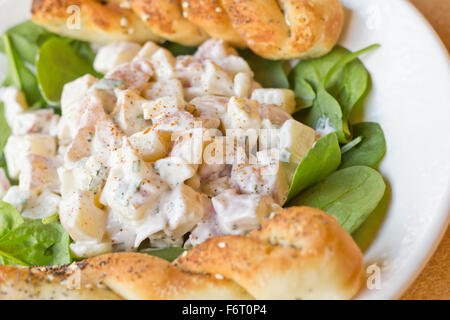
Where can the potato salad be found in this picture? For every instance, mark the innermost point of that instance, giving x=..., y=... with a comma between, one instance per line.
x=162, y=151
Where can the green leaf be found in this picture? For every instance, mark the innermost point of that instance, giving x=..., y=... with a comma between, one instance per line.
x=10, y=218
x=349, y=194
x=51, y=218
x=371, y=149
x=322, y=160
x=19, y=75
x=35, y=244
x=168, y=254
x=321, y=85
x=56, y=65
x=269, y=73
x=177, y=49
x=325, y=109
x=26, y=38
x=351, y=145
x=83, y=49
x=5, y=130
x=348, y=81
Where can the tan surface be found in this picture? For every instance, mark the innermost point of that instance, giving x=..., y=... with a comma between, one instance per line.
x=434, y=281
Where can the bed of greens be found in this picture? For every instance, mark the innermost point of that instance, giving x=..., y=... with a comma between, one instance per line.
x=338, y=175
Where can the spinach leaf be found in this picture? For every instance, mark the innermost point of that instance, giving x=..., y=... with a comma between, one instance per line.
x=83, y=49
x=323, y=85
x=178, y=49
x=5, y=130
x=351, y=145
x=371, y=149
x=348, y=80
x=19, y=75
x=56, y=65
x=10, y=218
x=322, y=160
x=26, y=38
x=168, y=254
x=349, y=194
x=325, y=109
x=269, y=73
x=33, y=243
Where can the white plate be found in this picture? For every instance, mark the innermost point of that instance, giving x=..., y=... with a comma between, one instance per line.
x=411, y=100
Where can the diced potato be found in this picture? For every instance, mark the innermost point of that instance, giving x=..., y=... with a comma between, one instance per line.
x=224, y=56
x=81, y=218
x=147, y=50
x=242, y=85
x=241, y=213
x=284, y=98
x=262, y=178
x=242, y=114
x=151, y=145
x=108, y=137
x=128, y=113
x=176, y=122
x=88, y=112
x=72, y=91
x=274, y=114
x=297, y=139
x=14, y=103
x=164, y=64
x=17, y=147
x=122, y=232
x=135, y=74
x=46, y=204
x=114, y=54
x=17, y=197
x=210, y=106
x=207, y=228
x=183, y=208
x=161, y=106
x=132, y=186
x=215, y=81
x=39, y=173
x=214, y=187
x=174, y=170
x=90, y=174
x=39, y=121
x=190, y=144
x=88, y=249
x=189, y=71
x=81, y=145
x=163, y=88
x=194, y=182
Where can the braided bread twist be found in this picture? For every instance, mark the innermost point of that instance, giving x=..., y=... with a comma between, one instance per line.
x=298, y=253
x=274, y=29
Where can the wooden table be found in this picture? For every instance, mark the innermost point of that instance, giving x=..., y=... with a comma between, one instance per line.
x=434, y=281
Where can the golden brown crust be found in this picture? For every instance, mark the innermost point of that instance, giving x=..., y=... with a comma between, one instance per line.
x=100, y=21
x=114, y=276
x=298, y=253
x=211, y=16
x=274, y=29
x=165, y=19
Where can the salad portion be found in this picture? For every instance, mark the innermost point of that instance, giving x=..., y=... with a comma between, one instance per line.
x=139, y=147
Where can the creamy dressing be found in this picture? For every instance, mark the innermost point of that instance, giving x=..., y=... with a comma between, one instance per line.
x=143, y=156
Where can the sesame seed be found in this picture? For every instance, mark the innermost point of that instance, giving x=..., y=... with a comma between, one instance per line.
x=219, y=276
x=123, y=22
x=221, y=245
